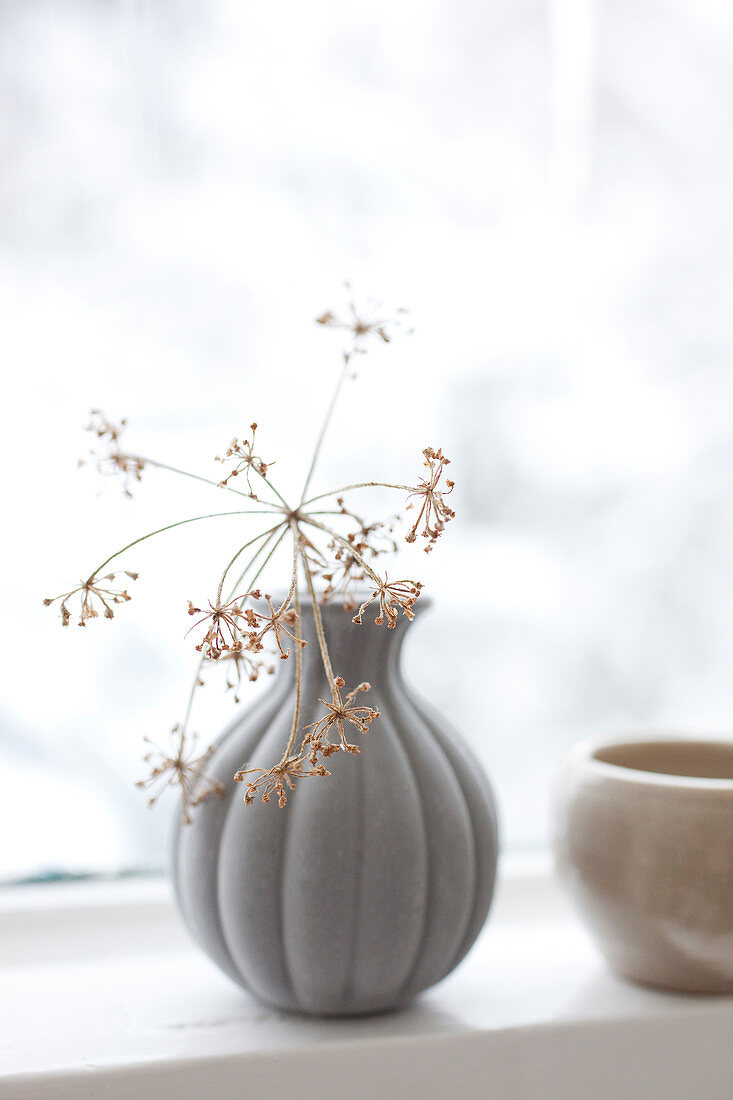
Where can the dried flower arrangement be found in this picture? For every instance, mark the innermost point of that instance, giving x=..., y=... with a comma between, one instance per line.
x=235, y=625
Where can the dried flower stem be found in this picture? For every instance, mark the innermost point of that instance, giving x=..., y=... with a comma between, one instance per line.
x=318, y=621
x=298, y=652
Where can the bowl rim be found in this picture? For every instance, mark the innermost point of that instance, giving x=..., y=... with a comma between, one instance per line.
x=583, y=752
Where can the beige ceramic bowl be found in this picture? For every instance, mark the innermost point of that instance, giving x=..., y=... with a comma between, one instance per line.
x=644, y=839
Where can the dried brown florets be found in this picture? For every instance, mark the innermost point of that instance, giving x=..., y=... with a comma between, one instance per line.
x=236, y=629
x=275, y=780
x=93, y=592
x=223, y=630
x=246, y=461
x=344, y=570
x=433, y=506
x=114, y=463
x=104, y=428
x=375, y=538
x=361, y=326
x=338, y=712
x=278, y=620
x=341, y=574
x=180, y=768
x=392, y=595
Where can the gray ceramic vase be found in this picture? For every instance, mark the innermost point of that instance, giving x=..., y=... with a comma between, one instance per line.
x=371, y=884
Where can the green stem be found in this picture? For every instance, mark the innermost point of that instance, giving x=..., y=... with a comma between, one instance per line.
x=324, y=428
x=241, y=550
x=279, y=495
x=260, y=549
x=359, y=485
x=169, y=527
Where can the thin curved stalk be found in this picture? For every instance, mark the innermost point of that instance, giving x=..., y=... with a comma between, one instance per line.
x=241, y=550
x=358, y=485
x=168, y=527
x=298, y=655
x=196, y=477
x=283, y=502
x=324, y=428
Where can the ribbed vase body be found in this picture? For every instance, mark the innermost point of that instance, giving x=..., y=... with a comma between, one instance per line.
x=372, y=883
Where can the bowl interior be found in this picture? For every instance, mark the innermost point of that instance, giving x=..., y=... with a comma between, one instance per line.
x=696, y=759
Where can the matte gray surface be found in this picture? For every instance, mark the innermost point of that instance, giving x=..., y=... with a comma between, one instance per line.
x=371, y=884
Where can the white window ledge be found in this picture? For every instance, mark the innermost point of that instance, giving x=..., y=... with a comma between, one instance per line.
x=103, y=996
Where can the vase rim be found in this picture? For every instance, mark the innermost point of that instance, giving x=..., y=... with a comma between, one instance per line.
x=359, y=595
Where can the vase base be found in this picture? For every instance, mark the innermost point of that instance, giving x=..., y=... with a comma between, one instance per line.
x=341, y=1013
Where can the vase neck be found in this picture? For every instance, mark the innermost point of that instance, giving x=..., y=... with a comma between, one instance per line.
x=358, y=652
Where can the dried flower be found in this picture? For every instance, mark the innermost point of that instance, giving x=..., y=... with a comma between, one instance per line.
x=374, y=538
x=433, y=505
x=104, y=428
x=340, y=575
x=391, y=596
x=180, y=768
x=276, y=622
x=242, y=451
x=223, y=631
x=360, y=326
x=115, y=463
x=275, y=780
x=90, y=591
x=345, y=569
x=339, y=711
x=234, y=629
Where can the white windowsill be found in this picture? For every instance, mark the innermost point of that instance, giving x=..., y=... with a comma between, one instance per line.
x=104, y=996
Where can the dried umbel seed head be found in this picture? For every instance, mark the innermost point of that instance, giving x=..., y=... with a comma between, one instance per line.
x=114, y=462
x=223, y=629
x=240, y=455
x=179, y=767
x=345, y=568
x=340, y=574
x=97, y=596
x=274, y=621
x=240, y=631
x=339, y=712
x=361, y=326
x=104, y=428
x=275, y=780
x=391, y=595
x=432, y=507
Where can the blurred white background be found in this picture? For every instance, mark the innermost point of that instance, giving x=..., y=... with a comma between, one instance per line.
x=184, y=184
